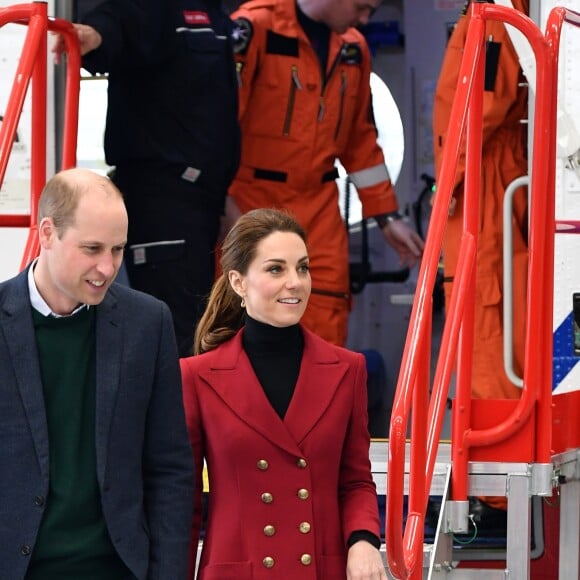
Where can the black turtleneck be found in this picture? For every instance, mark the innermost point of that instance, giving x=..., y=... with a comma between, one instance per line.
x=275, y=354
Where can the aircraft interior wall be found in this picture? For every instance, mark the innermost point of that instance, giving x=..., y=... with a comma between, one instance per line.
x=409, y=65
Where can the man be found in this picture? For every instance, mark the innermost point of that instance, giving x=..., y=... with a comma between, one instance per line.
x=304, y=78
x=173, y=136
x=95, y=461
x=504, y=158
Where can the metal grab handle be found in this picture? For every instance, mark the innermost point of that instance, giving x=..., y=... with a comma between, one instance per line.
x=508, y=280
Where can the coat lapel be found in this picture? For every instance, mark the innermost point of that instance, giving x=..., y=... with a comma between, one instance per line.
x=19, y=336
x=231, y=376
x=320, y=375
x=109, y=356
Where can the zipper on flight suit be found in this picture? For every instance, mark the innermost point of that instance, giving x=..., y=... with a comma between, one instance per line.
x=325, y=79
x=239, y=68
x=341, y=106
x=295, y=84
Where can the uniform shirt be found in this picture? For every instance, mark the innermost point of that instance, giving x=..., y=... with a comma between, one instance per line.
x=172, y=93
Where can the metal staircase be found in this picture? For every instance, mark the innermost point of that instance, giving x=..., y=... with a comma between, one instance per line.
x=448, y=555
x=502, y=448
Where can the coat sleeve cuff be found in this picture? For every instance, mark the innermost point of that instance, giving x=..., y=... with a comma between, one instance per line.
x=365, y=535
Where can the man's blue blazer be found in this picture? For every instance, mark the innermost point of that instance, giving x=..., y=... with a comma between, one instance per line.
x=144, y=460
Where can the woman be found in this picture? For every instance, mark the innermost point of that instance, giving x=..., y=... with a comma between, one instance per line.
x=280, y=417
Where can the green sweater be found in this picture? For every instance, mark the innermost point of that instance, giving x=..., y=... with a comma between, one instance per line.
x=73, y=542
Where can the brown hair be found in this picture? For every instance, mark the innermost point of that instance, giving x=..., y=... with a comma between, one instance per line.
x=223, y=315
x=60, y=196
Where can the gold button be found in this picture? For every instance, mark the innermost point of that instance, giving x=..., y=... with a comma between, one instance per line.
x=269, y=530
x=267, y=497
x=268, y=562
x=301, y=463
x=263, y=464
x=306, y=559
x=304, y=527
x=303, y=493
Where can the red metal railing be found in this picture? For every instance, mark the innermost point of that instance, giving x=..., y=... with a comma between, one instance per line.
x=558, y=16
x=32, y=66
x=405, y=553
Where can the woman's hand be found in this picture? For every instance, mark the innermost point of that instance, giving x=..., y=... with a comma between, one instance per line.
x=364, y=562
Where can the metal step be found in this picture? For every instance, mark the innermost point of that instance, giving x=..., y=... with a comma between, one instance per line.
x=519, y=482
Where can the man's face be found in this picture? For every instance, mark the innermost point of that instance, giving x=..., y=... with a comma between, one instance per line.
x=343, y=14
x=79, y=267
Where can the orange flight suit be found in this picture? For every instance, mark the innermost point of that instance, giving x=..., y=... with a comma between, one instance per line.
x=504, y=158
x=295, y=123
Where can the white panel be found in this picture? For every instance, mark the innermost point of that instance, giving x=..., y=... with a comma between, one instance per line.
x=15, y=190
x=566, y=275
x=571, y=382
x=12, y=242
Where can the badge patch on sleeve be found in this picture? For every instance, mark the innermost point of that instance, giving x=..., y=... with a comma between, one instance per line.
x=241, y=35
x=351, y=53
x=196, y=17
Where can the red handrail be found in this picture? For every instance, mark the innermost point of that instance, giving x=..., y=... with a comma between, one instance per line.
x=32, y=66
x=403, y=559
x=404, y=555
x=556, y=19
x=537, y=366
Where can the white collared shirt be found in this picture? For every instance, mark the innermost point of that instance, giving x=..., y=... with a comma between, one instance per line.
x=38, y=302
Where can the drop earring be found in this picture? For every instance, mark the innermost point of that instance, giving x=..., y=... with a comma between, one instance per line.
x=243, y=303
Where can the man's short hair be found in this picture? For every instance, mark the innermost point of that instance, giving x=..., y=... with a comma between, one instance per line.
x=60, y=196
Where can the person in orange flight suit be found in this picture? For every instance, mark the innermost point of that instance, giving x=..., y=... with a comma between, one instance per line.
x=304, y=78
x=504, y=158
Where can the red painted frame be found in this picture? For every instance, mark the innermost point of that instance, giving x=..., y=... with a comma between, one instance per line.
x=32, y=66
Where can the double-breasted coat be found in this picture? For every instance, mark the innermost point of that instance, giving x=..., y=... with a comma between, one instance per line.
x=285, y=495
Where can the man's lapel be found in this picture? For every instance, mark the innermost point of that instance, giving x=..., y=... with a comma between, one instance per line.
x=109, y=329
x=18, y=328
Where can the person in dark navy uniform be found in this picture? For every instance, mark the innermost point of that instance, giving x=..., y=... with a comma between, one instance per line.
x=172, y=135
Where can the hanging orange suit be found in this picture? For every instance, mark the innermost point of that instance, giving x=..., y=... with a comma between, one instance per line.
x=504, y=158
x=295, y=122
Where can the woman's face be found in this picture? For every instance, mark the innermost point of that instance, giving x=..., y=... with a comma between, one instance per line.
x=277, y=285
